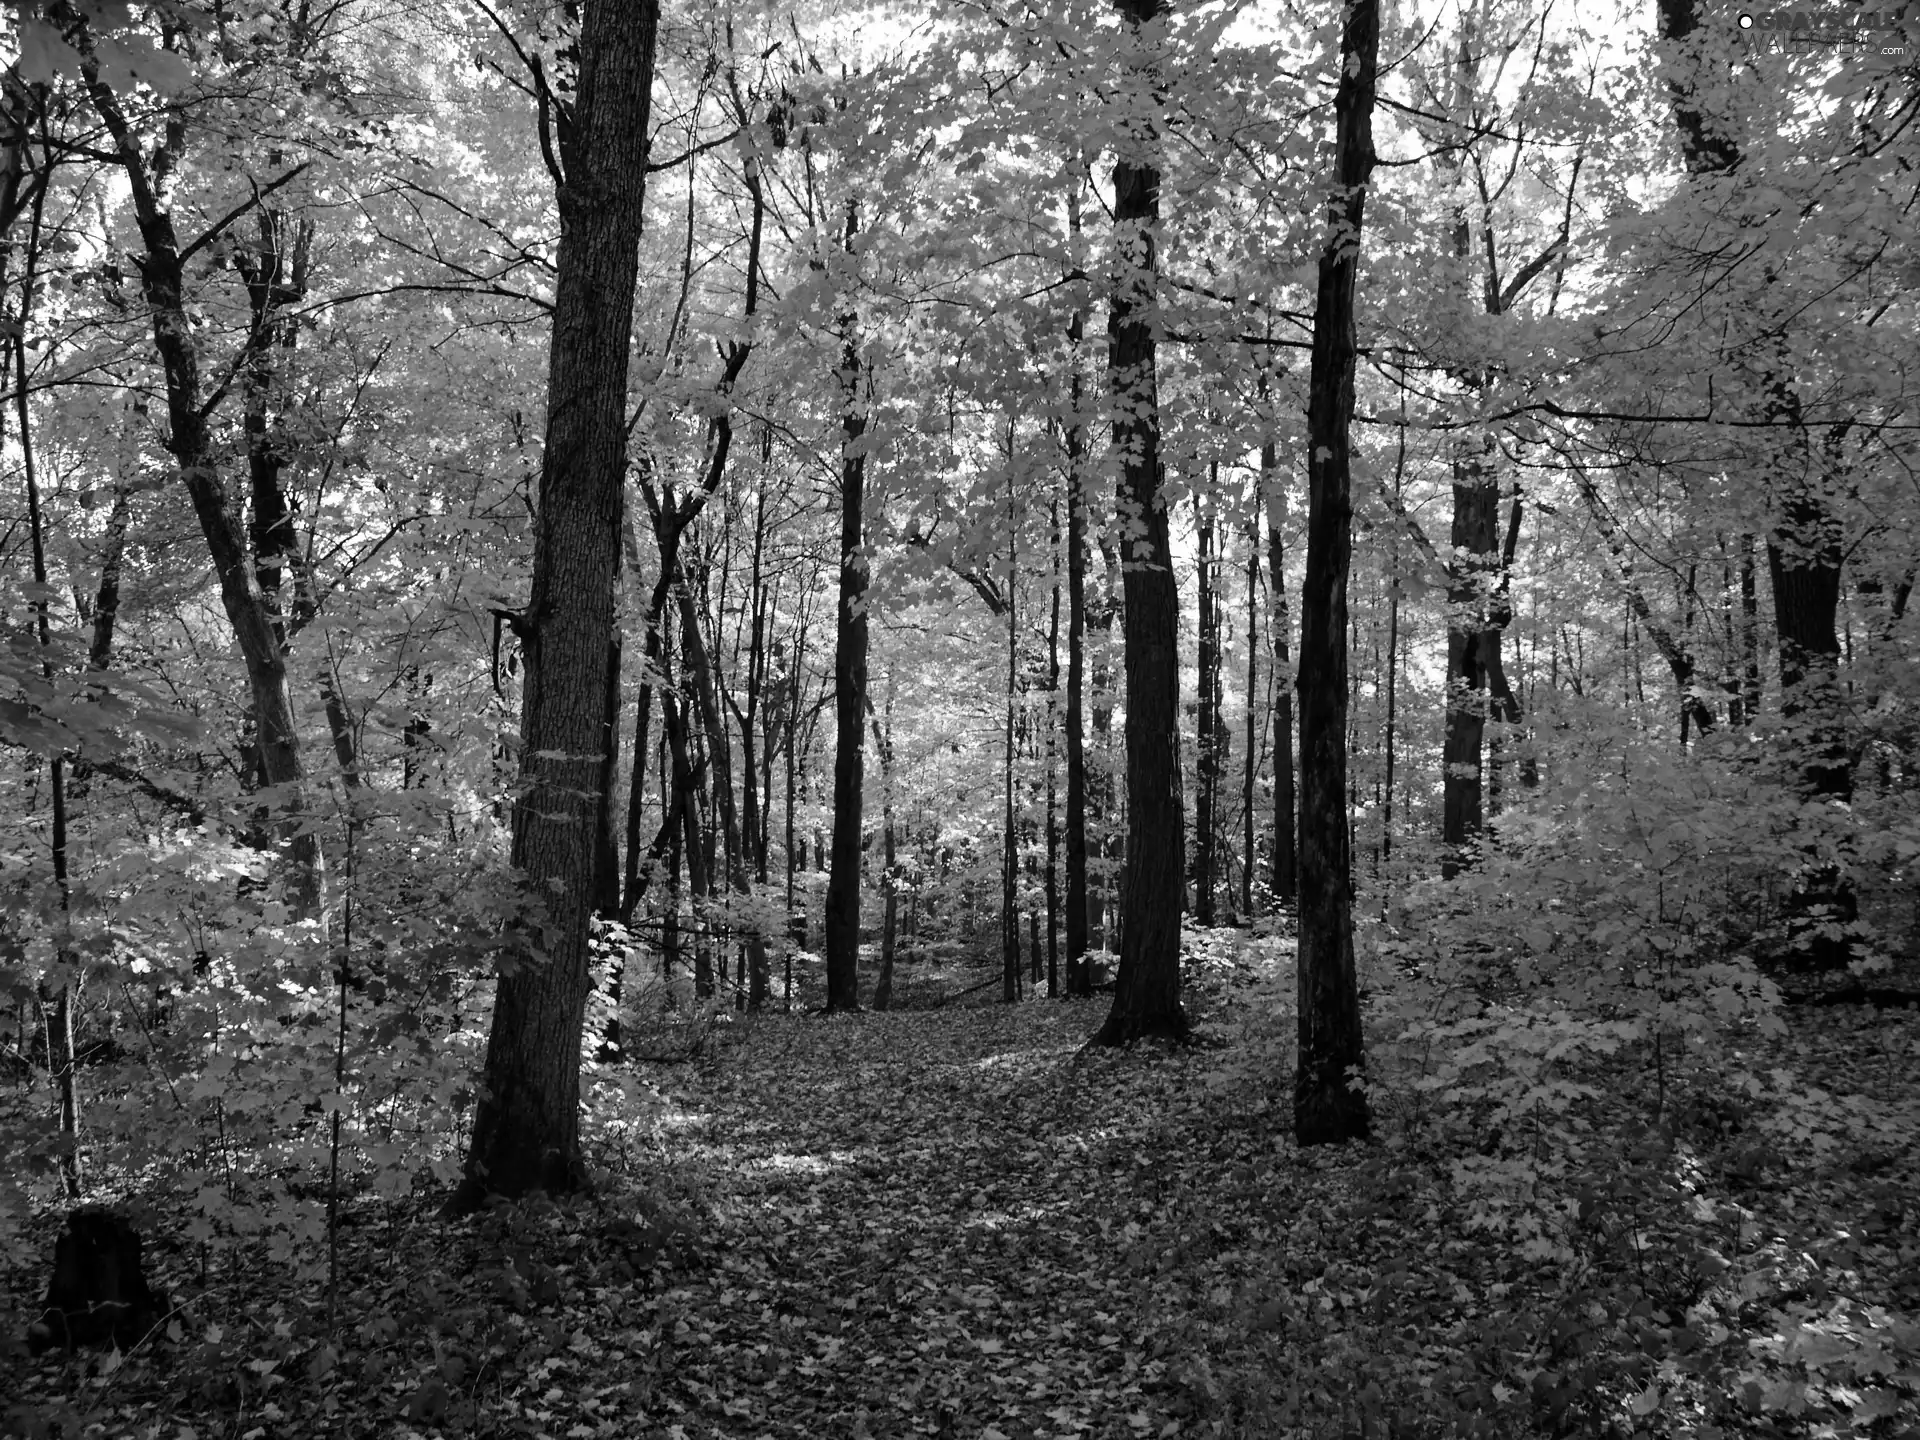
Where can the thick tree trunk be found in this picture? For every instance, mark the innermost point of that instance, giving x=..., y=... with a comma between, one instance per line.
x=526, y=1132
x=1326, y=1106
x=842, y=922
x=1146, y=998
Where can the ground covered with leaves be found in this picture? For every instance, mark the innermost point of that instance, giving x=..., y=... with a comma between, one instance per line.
x=957, y=1222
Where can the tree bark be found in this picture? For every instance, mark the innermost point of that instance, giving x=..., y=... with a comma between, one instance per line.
x=842, y=921
x=1327, y=1108
x=526, y=1132
x=1476, y=507
x=1146, y=998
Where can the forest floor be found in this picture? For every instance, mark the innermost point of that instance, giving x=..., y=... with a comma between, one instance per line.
x=956, y=1222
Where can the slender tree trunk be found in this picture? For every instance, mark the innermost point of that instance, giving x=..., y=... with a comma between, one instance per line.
x=1749, y=633
x=890, y=922
x=526, y=1132
x=151, y=180
x=1010, y=841
x=606, y=856
x=1146, y=998
x=1079, y=979
x=1251, y=765
x=842, y=923
x=1053, y=789
x=56, y=993
x=1207, y=717
x=686, y=798
x=1392, y=721
x=1326, y=1107
x=699, y=675
x=671, y=516
x=754, y=794
x=1286, y=862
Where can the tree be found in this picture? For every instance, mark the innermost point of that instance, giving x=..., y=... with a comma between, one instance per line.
x=1146, y=998
x=842, y=921
x=1327, y=1107
x=526, y=1130
x=152, y=174
x=1079, y=980
x=1212, y=731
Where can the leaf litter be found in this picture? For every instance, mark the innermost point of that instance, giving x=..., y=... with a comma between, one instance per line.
x=959, y=1223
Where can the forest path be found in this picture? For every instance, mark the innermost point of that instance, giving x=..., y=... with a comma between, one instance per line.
x=954, y=1224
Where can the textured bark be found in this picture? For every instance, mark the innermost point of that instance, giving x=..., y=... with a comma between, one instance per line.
x=526, y=1132
x=113, y=555
x=1326, y=1107
x=1476, y=507
x=842, y=921
x=1146, y=998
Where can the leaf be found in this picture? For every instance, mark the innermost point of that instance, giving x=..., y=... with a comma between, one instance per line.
x=429, y=1402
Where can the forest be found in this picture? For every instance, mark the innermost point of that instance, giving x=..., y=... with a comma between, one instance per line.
x=1017, y=719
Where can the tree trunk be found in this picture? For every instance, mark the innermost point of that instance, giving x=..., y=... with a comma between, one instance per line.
x=1207, y=717
x=56, y=993
x=1326, y=1106
x=1053, y=788
x=1476, y=505
x=890, y=922
x=842, y=923
x=190, y=442
x=1010, y=840
x=1146, y=998
x=704, y=683
x=1251, y=763
x=526, y=1132
x=1079, y=979
x=1286, y=860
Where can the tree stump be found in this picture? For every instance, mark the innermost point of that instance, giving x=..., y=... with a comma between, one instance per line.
x=98, y=1293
